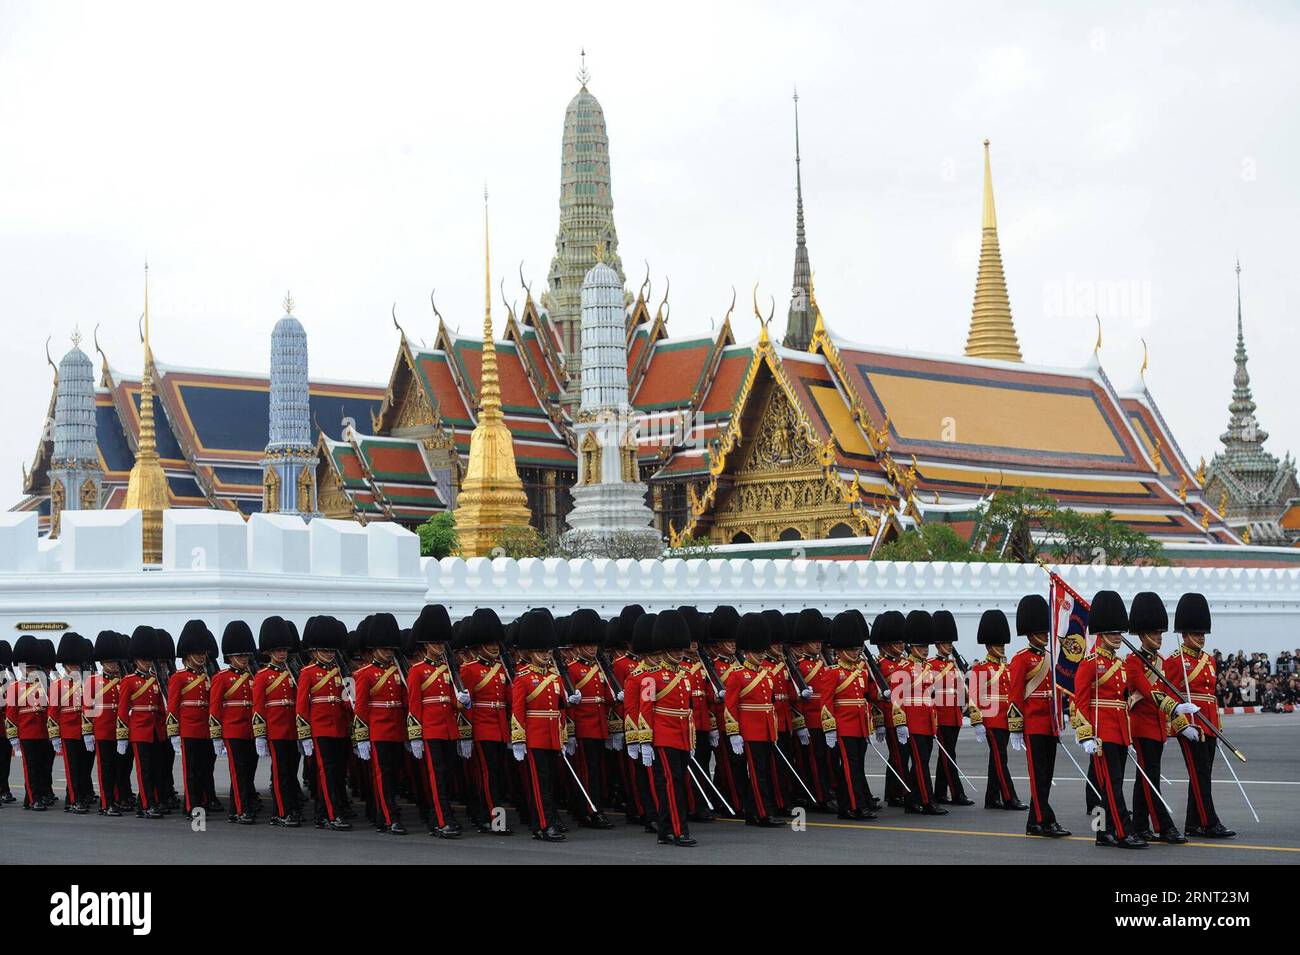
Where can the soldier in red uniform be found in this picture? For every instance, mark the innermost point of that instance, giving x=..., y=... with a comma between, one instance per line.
x=621, y=784
x=103, y=695
x=668, y=708
x=26, y=722
x=1031, y=713
x=324, y=719
x=729, y=773
x=275, y=726
x=6, y=748
x=811, y=706
x=1192, y=669
x=230, y=718
x=488, y=686
x=949, y=708
x=591, y=714
x=887, y=633
x=67, y=723
x=702, y=698
x=750, y=719
x=988, y=705
x=142, y=723
x=537, y=698
x=912, y=686
x=845, y=689
x=380, y=729
x=188, y=705
x=784, y=697
x=1100, y=721
x=435, y=710
x=1151, y=714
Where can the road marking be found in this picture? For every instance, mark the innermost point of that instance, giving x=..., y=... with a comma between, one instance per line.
x=1227, y=779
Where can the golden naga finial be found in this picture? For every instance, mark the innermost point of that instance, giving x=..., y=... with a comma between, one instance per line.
x=1142, y=373
x=1245, y=534
x=601, y=252
x=1097, y=347
x=730, y=308
x=1223, y=502
x=76, y=336
x=1205, y=519
x=1182, y=490
x=1200, y=471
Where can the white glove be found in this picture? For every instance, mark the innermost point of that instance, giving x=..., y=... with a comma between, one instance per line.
x=218, y=747
x=647, y=756
x=263, y=750
x=722, y=695
x=363, y=750
x=1186, y=709
x=737, y=744
x=616, y=742
x=980, y=733
x=89, y=740
x=902, y=734
x=1190, y=734
x=307, y=746
x=417, y=748
x=13, y=744
x=634, y=750
x=121, y=747
x=466, y=748
x=1018, y=742
x=462, y=698
x=880, y=733
x=575, y=698
x=805, y=693
x=571, y=745
x=714, y=738
x=804, y=737
x=57, y=742
x=1089, y=746
x=176, y=745
x=618, y=697
x=520, y=751
x=832, y=739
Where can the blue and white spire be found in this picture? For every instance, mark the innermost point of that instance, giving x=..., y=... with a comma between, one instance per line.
x=76, y=477
x=289, y=466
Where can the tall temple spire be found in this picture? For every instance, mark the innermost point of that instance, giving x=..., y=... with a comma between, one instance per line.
x=146, y=488
x=491, y=496
x=801, y=318
x=586, y=224
x=289, y=461
x=992, y=332
x=76, y=477
x=1244, y=437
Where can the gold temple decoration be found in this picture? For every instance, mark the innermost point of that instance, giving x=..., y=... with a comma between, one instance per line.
x=1245, y=535
x=992, y=332
x=1182, y=490
x=491, y=496
x=1200, y=472
x=146, y=488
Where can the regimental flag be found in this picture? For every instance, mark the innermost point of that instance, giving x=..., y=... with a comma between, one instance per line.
x=1069, y=640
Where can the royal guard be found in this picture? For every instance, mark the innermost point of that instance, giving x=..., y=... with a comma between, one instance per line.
x=188, y=705
x=719, y=652
x=949, y=689
x=1031, y=713
x=636, y=724
x=486, y=681
x=591, y=714
x=750, y=720
x=230, y=719
x=435, y=711
x=618, y=640
x=142, y=724
x=668, y=707
x=26, y=722
x=71, y=734
x=784, y=699
x=812, y=707
x=887, y=633
x=1153, y=715
x=913, y=685
x=537, y=701
x=324, y=719
x=987, y=706
x=275, y=725
x=6, y=748
x=1193, y=671
x=379, y=728
x=703, y=696
x=846, y=689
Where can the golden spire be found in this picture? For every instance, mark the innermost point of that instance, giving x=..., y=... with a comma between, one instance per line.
x=146, y=487
x=491, y=496
x=992, y=333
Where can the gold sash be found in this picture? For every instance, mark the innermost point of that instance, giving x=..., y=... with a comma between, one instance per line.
x=144, y=688
x=383, y=678
x=546, y=681
x=488, y=677
x=195, y=682
x=239, y=681
x=668, y=688
x=329, y=675
x=587, y=677
x=429, y=680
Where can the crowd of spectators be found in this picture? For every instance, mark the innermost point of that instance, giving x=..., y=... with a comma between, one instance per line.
x=1255, y=680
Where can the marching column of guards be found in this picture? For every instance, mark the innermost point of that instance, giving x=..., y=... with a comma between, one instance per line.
x=670, y=719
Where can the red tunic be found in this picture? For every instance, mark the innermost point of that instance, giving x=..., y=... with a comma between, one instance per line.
x=102, y=693
x=433, y=700
x=67, y=708
x=909, y=683
x=782, y=693
x=636, y=724
x=591, y=716
x=537, y=695
x=818, y=676
x=1029, y=694
x=1196, y=669
x=1149, y=706
x=1101, y=699
x=141, y=716
x=230, y=706
x=989, y=680
x=188, y=704
x=671, y=712
x=380, y=706
x=274, y=697
x=702, y=697
x=849, y=688
x=949, y=695
x=749, y=707
x=489, y=694
x=28, y=716
x=321, y=709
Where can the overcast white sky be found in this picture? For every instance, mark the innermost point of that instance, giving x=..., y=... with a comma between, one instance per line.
x=340, y=152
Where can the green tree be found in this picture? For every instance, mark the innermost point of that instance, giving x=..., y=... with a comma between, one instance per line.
x=1078, y=538
x=691, y=547
x=1005, y=530
x=438, y=536
x=930, y=542
x=522, y=540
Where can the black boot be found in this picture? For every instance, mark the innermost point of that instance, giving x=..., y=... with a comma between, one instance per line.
x=1172, y=836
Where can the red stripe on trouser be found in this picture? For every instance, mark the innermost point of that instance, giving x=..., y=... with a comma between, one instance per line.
x=650, y=782
x=537, y=794
x=234, y=781
x=378, y=782
x=185, y=780
x=67, y=772
x=848, y=779
x=275, y=780
x=753, y=784
x=810, y=758
x=139, y=777
x=1103, y=774
x=724, y=764
x=1146, y=788
x=1194, y=781
x=486, y=782
x=777, y=792
x=921, y=772
x=670, y=793
x=103, y=790
x=1033, y=785
x=322, y=782
x=629, y=783
x=433, y=785
x=947, y=774
x=997, y=766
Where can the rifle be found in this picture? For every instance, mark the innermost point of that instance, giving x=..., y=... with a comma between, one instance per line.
x=796, y=677
x=710, y=671
x=453, y=671
x=608, y=669
x=961, y=664
x=558, y=659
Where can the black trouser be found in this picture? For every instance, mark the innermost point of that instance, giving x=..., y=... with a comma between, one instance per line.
x=730, y=775
x=242, y=759
x=899, y=756
x=166, y=760
x=196, y=757
x=387, y=764
x=1200, y=769
x=109, y=772
x=150, y=767
x=820, y=779
x=1149, y=813
x=760, y=766
x=38, y=769
x=440, y=758
x=284, y=777
x=330, y=755
x=540, y=774
x=123, y=765
x=645, y=787
x=920, y=746
x=1041, y=759
x=77, y=765
x=590, y=765
x=851, y=786
x=1001, y=788
x=6, y=761
x=670, y=782
x=787, y=788
x=488, y=791
x=702, y=753
x=947, y=780
x=1106, y=773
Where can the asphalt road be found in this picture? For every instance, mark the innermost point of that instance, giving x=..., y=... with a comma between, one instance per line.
x=966, y=835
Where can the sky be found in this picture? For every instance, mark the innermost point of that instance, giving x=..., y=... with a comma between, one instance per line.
x=340, y=152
